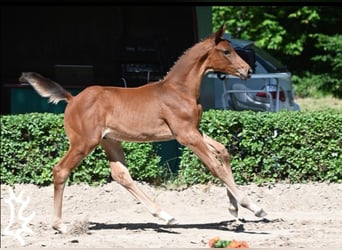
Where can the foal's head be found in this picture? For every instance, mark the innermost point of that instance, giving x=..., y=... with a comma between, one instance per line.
x=223, y=57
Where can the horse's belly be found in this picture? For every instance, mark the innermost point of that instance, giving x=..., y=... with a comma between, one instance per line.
x=135, y=134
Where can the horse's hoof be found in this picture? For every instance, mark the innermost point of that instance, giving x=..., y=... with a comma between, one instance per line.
x=173, y=221
x=233, y=211
x=166, y=217
x=62, y=229
x=260, y=213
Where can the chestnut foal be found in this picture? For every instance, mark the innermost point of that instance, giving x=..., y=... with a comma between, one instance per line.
x=158, y=111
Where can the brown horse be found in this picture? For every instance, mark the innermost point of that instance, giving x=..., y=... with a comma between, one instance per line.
x=159, y=111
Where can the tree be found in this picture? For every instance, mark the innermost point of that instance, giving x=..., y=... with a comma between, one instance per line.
x=305, y=38
x=326, y=70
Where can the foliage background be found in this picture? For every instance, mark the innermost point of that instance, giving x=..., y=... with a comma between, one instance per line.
x=307, y=39
x=265, y=147
x=269, y=147
x=31, y=144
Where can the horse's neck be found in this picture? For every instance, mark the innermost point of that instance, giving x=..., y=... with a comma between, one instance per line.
x=187, y=73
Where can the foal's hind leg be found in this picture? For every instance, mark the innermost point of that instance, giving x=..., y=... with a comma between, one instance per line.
x=61, y=172
x=120, y=174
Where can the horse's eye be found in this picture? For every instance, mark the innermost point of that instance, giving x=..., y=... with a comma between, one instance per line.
x=226, y=52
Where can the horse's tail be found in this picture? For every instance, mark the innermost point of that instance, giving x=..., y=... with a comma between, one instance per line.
x=45, y=87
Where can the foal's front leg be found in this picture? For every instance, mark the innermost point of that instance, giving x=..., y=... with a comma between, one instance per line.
x=208, y=150
x=121, y=174
x=220, y=152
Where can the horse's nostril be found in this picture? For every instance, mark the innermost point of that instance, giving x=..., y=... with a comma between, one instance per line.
x=245, y=74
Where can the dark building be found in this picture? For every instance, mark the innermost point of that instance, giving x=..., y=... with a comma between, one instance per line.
x=85, y=45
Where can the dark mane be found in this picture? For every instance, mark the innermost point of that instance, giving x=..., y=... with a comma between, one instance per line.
x=190, y=57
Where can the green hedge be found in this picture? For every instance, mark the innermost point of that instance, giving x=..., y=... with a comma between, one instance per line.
x=294, y=146
x=31, y=144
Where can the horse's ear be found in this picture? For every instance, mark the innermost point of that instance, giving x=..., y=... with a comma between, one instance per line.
x=219, y=34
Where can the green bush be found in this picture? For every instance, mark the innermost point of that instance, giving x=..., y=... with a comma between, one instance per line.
x=31, y=144
x=267, y=147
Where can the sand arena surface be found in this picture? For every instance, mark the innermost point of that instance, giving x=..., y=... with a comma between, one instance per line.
x=299, y=215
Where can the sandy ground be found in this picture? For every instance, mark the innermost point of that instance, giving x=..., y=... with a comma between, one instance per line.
x=300, y=215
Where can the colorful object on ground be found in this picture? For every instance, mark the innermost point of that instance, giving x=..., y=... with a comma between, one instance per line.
x=216, y=242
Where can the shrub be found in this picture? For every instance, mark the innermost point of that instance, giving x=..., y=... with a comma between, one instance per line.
x=31, y=144
x=294, y=146
x=265, y=147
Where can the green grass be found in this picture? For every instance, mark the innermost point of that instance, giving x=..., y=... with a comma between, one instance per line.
x=317, y=104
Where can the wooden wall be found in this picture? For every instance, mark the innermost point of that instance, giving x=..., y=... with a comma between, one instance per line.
x=36, y=38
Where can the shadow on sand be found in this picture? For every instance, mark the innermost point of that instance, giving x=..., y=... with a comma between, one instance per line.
x=231, y=225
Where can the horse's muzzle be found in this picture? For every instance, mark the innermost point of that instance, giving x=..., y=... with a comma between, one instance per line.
x=244, y=75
